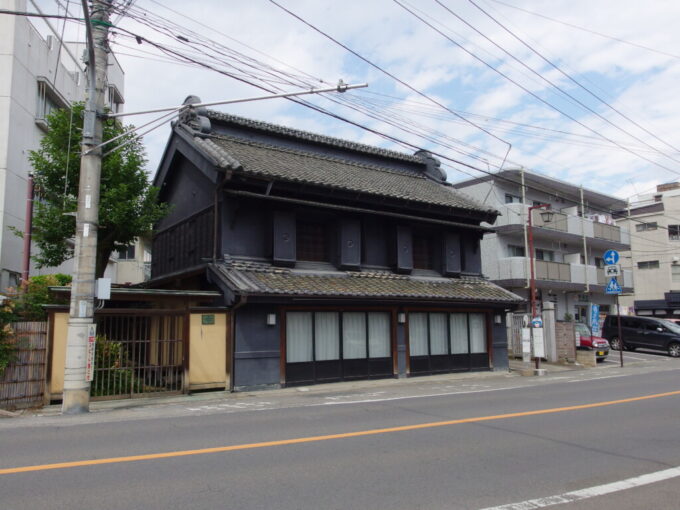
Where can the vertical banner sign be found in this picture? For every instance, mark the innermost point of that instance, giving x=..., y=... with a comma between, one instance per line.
x=91, y=344
x=539, y=346
x=595, y=319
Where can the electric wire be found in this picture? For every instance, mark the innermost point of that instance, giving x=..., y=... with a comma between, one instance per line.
x=533, y=94
x=576, y=82
x=577, y=27
x=391, y=75
x=386, y=136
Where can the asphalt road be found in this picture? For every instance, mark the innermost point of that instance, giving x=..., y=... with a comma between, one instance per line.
x=437, y=444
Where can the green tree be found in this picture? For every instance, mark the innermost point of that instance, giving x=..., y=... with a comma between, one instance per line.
x=128, y=205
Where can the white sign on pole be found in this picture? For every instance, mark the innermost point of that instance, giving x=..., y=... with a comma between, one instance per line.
x=613, y=270
x=91, y=345
x=526, y=341
x=539, y=346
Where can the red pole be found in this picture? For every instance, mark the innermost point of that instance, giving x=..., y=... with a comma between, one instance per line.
x=28, y=231
x=532, y=279
x=532, y=283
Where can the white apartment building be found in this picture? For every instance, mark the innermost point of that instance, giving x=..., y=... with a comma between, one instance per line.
x=37, y=75
x=568, y=251
x=654, y=255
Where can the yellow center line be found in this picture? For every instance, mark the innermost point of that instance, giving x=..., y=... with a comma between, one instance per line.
x=312, y=439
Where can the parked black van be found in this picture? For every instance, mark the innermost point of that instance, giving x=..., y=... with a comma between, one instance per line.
x=644, y=332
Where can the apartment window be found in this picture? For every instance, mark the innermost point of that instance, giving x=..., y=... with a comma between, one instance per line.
x=127, y=253
x=599, y=262
x=311, y=241
x=648, y=264
x=674, y=232
x=114, y=99
x=547, y=255
x=512, y=199
x=46, y=102
x=644, y=227
x=515, y=251
x=422, y=252
x=675, y=273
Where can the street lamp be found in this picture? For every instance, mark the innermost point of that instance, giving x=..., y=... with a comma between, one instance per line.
x=547, y=217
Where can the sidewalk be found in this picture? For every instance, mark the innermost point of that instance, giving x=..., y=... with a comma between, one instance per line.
x=466, y=379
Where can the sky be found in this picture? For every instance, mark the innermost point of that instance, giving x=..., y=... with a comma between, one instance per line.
x=579, y=90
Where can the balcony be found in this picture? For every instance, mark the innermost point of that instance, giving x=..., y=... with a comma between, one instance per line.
x=608, y=232
x=564, y=227
x=556, y=271
x=566, y=276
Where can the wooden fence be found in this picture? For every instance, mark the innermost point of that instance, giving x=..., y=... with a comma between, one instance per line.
x=22, y=384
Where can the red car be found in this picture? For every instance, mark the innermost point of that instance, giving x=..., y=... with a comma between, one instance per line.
x=585, y=340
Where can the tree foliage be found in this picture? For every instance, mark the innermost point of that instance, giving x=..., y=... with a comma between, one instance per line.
x=128, y=205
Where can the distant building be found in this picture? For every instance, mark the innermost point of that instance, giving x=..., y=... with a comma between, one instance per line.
x=37, y=75
x=569, y=267
x=654, y=256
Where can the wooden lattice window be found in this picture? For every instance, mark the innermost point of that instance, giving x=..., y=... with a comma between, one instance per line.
x=422, y=252
x=311, y=241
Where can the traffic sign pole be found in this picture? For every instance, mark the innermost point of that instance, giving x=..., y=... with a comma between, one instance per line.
x=618, y=319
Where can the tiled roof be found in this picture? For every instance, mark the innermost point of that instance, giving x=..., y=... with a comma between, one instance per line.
x=310, y=137
x=250, y=278
x=290, y=165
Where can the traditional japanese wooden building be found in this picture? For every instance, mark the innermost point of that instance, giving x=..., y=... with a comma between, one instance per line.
x=336, y=260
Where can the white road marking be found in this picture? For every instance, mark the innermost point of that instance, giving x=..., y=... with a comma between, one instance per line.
x=591, y=492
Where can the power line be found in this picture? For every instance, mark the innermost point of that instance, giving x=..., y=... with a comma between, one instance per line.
x=384, y=71
x=534, y=95
x=401, y=142
x=617, y=39
x=576, y=82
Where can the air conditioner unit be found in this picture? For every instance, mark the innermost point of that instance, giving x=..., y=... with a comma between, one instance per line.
x=676, y=259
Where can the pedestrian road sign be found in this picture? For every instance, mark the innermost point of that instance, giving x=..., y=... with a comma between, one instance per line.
x=613, y=287
x=611, y=257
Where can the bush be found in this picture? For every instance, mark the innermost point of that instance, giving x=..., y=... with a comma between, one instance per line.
x=8, y=346
x=29, y=301
x=111, y=375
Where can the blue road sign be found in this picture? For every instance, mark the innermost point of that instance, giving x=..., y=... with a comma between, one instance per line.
x=611, y=257
x=613, y=287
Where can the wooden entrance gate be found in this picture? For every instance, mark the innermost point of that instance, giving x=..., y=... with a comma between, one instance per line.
x=139, y=353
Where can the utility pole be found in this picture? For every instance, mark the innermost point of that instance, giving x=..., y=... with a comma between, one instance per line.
x=76, y=397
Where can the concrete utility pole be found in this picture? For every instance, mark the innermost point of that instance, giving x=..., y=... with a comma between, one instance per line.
x=76, y=398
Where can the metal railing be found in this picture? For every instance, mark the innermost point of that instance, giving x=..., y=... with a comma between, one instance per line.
x=139, y=354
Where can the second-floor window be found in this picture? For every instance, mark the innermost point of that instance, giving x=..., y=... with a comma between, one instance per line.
x=422, y=252
x=675, y=273
x=127, y=253
x=515, y=251
x=648, y=264
x=547, y=255
x=311, y=241
x=674, y=232
x=512, y=199
x=644, y=227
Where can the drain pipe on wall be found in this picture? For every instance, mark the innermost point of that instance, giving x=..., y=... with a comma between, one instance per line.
x=28, y=231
